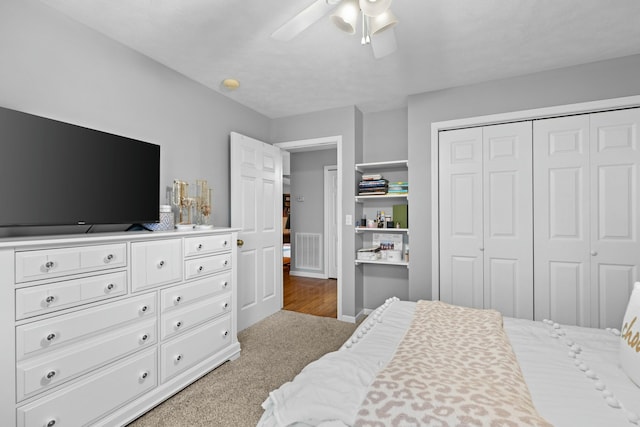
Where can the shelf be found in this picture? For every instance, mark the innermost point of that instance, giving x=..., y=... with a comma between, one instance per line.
x=361, y=199
x=381, y=230
x=401, y=263
x=396, y=164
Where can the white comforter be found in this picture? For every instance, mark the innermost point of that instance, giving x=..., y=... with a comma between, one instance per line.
x=572, y=373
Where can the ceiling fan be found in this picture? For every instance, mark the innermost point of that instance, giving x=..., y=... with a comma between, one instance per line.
x=377, y=21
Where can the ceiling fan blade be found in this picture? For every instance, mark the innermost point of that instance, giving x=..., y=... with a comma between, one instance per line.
x=302, y=20
x=384, y=43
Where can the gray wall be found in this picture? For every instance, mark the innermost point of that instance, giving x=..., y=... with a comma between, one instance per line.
x=54, y=67
x=386, y=136
x=307, y=180
x=600, y=80
x=57, y=68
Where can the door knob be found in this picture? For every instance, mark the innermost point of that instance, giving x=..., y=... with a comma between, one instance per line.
x=240, y=243
x=594, y=253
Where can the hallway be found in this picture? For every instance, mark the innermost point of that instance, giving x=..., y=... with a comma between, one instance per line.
x=310, y=296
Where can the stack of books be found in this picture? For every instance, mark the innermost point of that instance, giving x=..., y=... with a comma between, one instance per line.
x=399, y=187
x=372, y=184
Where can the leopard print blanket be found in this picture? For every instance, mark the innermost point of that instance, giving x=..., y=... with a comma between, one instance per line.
x=454, y=367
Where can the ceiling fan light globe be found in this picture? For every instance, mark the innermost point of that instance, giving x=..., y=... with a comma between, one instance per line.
x=382, y=22
x=346, y=16
x=373, y=8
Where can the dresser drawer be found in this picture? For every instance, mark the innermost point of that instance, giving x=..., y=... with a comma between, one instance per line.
x=183, y=295
x=46, y=263
x=200, y=267
x=203, y=245
x=84, y=402
x=57, y=296
x=155, y=263
x=55, y=332
x=40, y=373
x=195, y=346
x=193, y=315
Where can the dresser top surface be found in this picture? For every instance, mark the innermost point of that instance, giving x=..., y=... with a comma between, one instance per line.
x=91, y=238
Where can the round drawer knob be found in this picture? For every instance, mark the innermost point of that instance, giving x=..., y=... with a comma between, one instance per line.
x=51, y=374
x=225, y=243
x=51, y=337
x=199, y=247
x=226, y=262
x=179, y=357
x=594, y=253
x=110, y=286
x=225, y=284
x=161, y=264
x=50, y=299
x=144, y=337
x=226, y=305
x=51, y=423
x=178, y=325
x=177, y=299
x=49, y=265
x=200, y=269
x=225, y=334
x=144, y=308
x=109, y=258
x=144, y=375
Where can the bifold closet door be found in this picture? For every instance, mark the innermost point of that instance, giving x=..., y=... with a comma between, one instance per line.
x=460, y=204
x=587, y=187
x=485, y=190
x=562, y=218
x=508, y=219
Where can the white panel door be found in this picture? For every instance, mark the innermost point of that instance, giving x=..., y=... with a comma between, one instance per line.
x=461, y=235
x=561, y=220
x=256, y=194
x=615, y=249
x=507, y=216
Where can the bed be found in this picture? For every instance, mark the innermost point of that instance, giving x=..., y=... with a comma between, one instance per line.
x=573, y=374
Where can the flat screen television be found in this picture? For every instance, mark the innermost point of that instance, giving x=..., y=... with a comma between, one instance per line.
x=55, y=173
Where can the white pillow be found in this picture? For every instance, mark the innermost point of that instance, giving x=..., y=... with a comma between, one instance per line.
x=630, y=334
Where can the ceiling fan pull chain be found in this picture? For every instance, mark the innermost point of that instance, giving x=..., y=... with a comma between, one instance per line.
x=368, y=32
x=364, y=31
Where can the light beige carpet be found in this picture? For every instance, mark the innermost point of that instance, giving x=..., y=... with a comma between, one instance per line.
x=273, y=352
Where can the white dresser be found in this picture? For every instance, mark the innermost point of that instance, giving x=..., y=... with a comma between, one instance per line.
x=99, y=328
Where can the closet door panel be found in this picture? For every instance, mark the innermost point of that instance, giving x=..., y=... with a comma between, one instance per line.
x=508, y=221
x=461, y=242
x=568, y=296
x=561, y=220
x=615, y=246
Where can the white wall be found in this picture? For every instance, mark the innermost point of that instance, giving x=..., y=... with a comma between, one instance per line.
x=600, y=80
x=55, y=67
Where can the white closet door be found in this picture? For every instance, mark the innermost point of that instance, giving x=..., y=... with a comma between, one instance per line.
x=561, y=225
x=461, y=235
x=508, y=221
x=615, y=249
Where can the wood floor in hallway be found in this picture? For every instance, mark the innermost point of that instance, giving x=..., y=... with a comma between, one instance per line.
x=311, y=296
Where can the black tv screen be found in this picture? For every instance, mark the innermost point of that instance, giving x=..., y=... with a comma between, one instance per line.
x=55, y=173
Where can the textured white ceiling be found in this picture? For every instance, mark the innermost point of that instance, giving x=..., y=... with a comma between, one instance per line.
x=442, y=43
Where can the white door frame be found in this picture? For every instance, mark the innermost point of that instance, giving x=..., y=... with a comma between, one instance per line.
x=322, y=144
x=538, y=113
x=328, y=244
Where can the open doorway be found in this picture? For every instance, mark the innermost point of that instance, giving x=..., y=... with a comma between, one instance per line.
x=311, y=272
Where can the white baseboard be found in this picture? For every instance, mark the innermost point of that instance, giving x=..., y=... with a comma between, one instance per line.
x=354, y=319
x=307, y=274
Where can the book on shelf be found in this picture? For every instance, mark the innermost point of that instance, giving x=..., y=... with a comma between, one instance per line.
x=374, y=183
x=372, y=193
x=371, y=176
